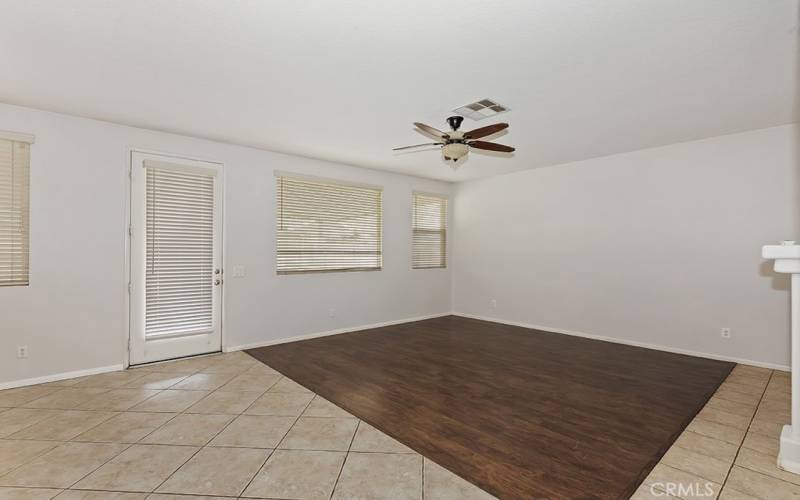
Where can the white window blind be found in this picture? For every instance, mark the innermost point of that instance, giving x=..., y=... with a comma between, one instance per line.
x=325, y=226
x=429, y=222
x=14, y=212
x=179, y=252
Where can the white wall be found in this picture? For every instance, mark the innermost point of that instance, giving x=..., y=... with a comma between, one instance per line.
x=72, y=316
x=659, y=246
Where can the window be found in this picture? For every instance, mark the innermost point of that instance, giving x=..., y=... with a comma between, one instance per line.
x=14, y=209
x=430, y=231
x=324, y=226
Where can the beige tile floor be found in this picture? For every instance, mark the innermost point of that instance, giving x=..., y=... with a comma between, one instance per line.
x=222, y=426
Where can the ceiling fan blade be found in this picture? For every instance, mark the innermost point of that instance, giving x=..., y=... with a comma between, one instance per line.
x=484, y=131
x=418, y=146
x=491, y=146
x=431, y=131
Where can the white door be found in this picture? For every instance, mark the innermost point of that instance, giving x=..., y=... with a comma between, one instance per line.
x=176, y=258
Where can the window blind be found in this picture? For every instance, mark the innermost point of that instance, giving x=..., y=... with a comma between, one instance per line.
x=326, y=226
x=14, y=212
x=429, y=222
x=179, y=254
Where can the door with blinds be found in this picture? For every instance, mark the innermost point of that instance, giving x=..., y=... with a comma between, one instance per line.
x=176, y=258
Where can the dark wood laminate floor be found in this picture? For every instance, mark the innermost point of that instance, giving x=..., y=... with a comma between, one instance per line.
x=519, y=412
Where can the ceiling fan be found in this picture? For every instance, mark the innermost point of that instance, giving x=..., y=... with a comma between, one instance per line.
x=455, y=144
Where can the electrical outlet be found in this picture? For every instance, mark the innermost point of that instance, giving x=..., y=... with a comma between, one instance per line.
x=239, y=271
x=725, y=333
x=22, y=352
x=494, y=304
x=332, y=313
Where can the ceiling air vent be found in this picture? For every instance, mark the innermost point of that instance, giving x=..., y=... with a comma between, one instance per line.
x=479, y=110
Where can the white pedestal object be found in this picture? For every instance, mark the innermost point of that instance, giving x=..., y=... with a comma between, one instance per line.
x=787, y=260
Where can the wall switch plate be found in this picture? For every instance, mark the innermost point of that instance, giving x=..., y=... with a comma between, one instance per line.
x=725, y=333
x=22, y=352
x=238, y=271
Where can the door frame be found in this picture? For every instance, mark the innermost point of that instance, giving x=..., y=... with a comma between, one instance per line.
x=126, y=285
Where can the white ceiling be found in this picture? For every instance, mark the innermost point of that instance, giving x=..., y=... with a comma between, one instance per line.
x=343, y=80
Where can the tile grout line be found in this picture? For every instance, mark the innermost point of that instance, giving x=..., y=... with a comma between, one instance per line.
x=263, y=393
x=200, y=448
x=115, y=413
x=279, y=441
x=423, y=477
x=69, y=440
x=258, y=471
x=173, y=417
x=346, y=456
x=59, y=445
x=96, y=468
x=29, y=461
x=752, y=418
x=133, y=444
x=175, y=413
x=739, y=445
x=9, y=438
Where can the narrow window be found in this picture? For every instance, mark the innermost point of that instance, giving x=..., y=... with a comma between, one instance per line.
x=14, y=211
x=429, y=224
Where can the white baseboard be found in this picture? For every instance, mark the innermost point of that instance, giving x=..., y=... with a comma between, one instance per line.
x=327, y=333
x=60, y=376
x=104, y=369
x=112, y=368
x=634, y=343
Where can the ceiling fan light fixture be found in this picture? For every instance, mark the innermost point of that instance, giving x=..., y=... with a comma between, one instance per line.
x=456, y=144
x=454, y=153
